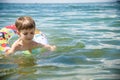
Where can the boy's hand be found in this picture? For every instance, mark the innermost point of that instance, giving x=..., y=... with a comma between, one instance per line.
x=52, y=48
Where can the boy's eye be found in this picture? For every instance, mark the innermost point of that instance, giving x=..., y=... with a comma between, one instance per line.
x=25, y=33
x=32, y=33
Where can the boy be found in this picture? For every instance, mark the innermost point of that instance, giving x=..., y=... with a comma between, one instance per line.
x=26, y=29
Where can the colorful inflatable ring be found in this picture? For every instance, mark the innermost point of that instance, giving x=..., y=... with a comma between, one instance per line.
x=8, y=35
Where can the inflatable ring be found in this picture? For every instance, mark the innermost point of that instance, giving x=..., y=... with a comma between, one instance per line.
x=8, y=35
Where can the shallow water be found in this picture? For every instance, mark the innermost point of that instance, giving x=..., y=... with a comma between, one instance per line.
x=87, y=37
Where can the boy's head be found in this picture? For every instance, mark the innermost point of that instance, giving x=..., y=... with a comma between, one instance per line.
x=24, y=23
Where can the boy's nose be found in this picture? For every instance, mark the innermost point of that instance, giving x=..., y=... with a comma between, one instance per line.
x=29, y=36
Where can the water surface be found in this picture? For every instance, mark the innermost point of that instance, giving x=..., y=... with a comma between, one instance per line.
x=87, y=36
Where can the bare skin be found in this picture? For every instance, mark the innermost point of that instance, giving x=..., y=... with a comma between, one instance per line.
x=25, y=42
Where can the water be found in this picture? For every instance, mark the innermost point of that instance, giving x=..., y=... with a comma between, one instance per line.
x=87, y=37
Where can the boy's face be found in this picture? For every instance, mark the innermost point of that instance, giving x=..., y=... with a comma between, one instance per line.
x=27, y=35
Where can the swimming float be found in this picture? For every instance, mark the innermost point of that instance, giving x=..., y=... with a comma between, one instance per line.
x=8, y=35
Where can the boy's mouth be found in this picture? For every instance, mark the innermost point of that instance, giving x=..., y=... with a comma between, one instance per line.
x=29, y=39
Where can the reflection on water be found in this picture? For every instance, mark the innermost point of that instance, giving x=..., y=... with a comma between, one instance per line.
x=87, y=37
x=20, y=65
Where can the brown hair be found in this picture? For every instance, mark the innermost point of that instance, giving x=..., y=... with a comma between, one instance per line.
x=24, y=22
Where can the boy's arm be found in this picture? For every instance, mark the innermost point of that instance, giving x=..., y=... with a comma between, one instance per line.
x=47, y=46
x=9, y=51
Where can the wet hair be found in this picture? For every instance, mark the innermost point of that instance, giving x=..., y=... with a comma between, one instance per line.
x=25, y=22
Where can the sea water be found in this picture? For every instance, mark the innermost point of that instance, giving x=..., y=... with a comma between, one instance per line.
x=87, y=36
